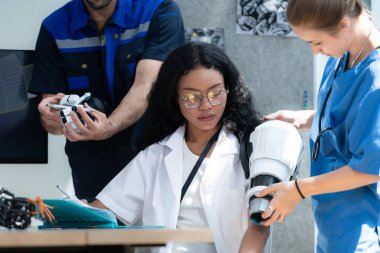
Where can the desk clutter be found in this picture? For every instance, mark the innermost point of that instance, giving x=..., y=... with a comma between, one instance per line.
x=15, y=212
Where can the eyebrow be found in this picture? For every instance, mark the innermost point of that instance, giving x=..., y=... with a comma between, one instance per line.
x=213, y=86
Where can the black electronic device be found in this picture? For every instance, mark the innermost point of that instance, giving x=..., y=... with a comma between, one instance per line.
x=23, y=139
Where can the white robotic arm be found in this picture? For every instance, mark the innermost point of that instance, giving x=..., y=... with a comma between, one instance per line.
x=274, y=157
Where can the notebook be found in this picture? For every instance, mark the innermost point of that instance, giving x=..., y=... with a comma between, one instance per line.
x=72, y=213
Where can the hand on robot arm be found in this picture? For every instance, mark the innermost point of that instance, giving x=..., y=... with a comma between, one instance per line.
x=274, y=160
x=285, y=199
x=94, y=127
x=50, y=118
x=286, y=195
x=301, y=119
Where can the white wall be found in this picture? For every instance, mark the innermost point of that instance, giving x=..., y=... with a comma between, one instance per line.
x=376, y=12
x=20, y=22
x=319, y=62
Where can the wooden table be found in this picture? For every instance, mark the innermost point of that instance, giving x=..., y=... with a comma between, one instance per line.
x=97, y=240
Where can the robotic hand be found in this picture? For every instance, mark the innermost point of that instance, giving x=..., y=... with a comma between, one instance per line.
x=71, y=103
x=270, y=155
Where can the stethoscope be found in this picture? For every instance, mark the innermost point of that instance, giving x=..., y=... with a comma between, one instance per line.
x=315, y=150
x=316, y=146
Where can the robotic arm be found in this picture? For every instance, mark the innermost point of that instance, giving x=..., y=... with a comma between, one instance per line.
x=269, y=155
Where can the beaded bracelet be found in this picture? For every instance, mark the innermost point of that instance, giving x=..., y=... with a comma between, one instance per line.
x=298, y=189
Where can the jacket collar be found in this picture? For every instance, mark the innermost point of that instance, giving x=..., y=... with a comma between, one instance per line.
x=226, y=140
x=174, y=162
x=174, y=141
x=81, y=16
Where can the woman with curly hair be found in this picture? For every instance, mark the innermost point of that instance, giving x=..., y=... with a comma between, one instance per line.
x=189, y=174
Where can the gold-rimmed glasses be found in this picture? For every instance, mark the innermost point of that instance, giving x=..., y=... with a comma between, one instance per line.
x=193, y=99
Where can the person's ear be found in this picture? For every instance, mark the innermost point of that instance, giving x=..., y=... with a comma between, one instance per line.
x=345, y=23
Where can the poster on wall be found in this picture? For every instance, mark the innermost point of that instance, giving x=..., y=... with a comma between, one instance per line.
x=208, y=35
x=263, y=17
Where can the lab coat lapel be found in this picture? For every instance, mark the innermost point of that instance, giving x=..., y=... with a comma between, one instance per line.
x=174, y=161
x=214, y=180
x=225, y=147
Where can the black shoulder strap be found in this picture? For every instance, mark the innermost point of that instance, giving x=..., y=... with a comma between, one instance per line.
x=245, y=152
x=198, y=163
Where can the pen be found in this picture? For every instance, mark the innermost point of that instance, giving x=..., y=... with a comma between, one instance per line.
x=66, y=194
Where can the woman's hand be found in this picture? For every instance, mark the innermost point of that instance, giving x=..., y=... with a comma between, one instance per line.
x=96, y=203
x=300, y=119
x=285, y=199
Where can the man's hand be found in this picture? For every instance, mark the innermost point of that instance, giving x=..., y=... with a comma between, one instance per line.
x=94, y=127
x=50, y=118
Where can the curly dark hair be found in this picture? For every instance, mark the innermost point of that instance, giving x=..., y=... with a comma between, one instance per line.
x=163, y=115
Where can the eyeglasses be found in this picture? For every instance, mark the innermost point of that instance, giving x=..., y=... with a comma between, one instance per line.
x=317, y=143
x=194, y=99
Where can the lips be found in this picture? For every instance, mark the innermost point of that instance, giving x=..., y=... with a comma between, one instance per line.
x=208, y=117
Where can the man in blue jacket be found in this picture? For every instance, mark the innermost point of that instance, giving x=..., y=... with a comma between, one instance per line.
x=112, y=49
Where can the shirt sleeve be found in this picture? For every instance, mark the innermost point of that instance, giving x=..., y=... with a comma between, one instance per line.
x=364, y=136
x=166, y=31
x=125, y=194
x=47, y=75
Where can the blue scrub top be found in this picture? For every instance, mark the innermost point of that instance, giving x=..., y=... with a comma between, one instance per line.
x=348, y=221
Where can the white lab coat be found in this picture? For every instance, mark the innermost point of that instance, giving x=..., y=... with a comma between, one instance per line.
x=149, y=188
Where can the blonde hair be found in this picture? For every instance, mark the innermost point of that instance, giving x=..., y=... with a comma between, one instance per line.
x=323, y=15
